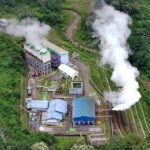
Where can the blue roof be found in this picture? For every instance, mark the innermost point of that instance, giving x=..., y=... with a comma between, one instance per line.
x=38, y=104
x=52, y=105
x=61, y=106
x=56, y=109
x=54, y=115
x=83, y=107
x=58, y=105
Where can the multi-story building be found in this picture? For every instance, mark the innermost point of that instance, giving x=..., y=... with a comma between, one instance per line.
x=38, y=57
x=58, y=54
x=45, y=56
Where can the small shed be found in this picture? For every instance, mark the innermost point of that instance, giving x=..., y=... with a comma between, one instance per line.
x=76, y=88
x=68, y=71
x=83, y=112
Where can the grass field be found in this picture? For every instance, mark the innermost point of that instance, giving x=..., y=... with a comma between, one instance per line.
x=80, y=6
x=65, y=143
x=24, y=116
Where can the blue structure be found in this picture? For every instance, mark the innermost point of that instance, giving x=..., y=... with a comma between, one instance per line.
x=37, y=105
x=54, y=115
x=83, y=112
x=63, y=54
x=57, y=109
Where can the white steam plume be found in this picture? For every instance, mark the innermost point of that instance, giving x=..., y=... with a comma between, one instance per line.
x=31, y=29
x=111, y=27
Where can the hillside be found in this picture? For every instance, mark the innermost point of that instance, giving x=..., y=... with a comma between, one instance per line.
x=60, y=17
x=13, y=68
x=47, y=11
x=138, y=115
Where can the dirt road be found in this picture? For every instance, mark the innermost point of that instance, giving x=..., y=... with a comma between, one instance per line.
x=72, y=29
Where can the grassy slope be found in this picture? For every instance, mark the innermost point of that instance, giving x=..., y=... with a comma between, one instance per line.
x=80, y=6
x=24, y=116
x=98, y=74
x=82, y=35
x=141, y=23
x=64, y=143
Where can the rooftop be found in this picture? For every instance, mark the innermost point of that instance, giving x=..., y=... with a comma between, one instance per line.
x=83, y=107
x=56, y=109
x=68, y=70
x=58, y=105
x=37, y=104
x=76, y=91
x=54, y=115
x=54, y=48
x=38, y=51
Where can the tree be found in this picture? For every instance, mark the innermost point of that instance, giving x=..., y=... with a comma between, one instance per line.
x=81, y=144
x=39, y=146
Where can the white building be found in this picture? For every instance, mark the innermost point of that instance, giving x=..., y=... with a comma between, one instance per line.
x=68, y=71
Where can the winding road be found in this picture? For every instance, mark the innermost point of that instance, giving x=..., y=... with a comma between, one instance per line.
x=69, y=33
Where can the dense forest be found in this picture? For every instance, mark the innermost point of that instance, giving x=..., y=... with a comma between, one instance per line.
x=139, y=41
x=48, y=11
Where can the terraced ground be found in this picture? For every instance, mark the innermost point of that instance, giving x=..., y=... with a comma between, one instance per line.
x=135, y=119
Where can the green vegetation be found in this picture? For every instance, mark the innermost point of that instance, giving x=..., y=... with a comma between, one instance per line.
x=48, y=11
x=44, y=96
x=64, y=143
x=12, y=68
x=99, y=75
x=65, y=85
x=139, y=41
x=24, y=116
x=131, y=141
x=81, y=144
x=80, y=6
x=84, y=32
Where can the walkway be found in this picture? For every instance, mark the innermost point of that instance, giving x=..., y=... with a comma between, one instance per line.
x=85, y=73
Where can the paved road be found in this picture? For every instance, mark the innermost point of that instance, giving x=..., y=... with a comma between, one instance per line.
x=85, y=73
